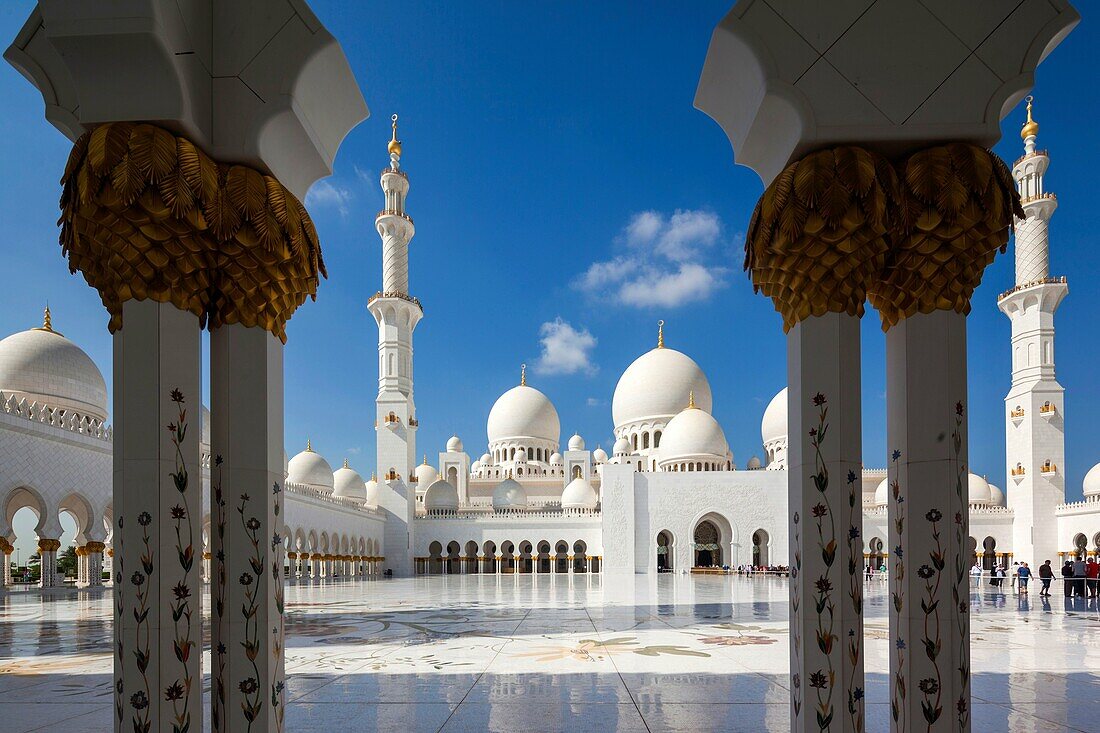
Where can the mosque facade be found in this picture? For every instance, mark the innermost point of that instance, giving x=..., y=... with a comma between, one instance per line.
x=669, y=496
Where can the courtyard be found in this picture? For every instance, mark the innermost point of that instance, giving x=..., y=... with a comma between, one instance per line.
x=545, y=653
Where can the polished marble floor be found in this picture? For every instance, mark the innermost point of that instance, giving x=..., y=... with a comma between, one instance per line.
x=548, y=653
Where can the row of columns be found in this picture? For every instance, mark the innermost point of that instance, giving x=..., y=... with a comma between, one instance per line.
x=592, y=564
x=89, y=563
x=316, y=565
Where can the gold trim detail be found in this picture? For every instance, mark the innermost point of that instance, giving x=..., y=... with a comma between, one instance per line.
x=6, y=547
x=958, y=205
x=49, y=545
x=146, y=215
x=820, y=233
x=92, y=547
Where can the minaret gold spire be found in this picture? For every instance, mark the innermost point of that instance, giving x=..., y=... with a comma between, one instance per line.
x=425, y=459
x=47, y=322
x=395, y=145
x=345, y=463
x=691, y=399
x=309, y=446
x=374, y=476
x=523, y=375
x=660, y=334
x=1031, y=127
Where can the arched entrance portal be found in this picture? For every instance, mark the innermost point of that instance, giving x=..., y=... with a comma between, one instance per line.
x=760, y=553
x=989, y=554
x=664, y=551
x=708, y=550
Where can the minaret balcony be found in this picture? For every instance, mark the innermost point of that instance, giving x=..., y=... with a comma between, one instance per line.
x=1047, y=410
x=413, y=422
x=1018, y=473
x=396, y=294
x=1038, y=197
x=1017, y=415
x=392, y=475
x=1048, y=469
x=393, y=212
x=1061, y=280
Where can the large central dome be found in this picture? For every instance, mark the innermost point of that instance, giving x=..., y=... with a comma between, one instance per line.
x=523, y=412
x=43, y=366
x=656, y=386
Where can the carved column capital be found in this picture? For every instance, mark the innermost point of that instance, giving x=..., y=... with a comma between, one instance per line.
x=49, y=545
x=820, y=233
x=146, y=215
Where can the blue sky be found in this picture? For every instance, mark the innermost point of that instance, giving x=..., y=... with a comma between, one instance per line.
x=564, y=190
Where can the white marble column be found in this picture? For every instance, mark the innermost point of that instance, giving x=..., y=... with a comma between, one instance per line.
x=246, y=410
x=6, y=551
x=157, y=504
x=81, y=566
x=47, y=551
x=825, y=504
x=94, y=563
x=929, y=523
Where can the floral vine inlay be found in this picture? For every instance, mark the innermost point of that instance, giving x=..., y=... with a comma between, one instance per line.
x=824, y=680
x=179, y=691
x=960, y=590
x=897, y=596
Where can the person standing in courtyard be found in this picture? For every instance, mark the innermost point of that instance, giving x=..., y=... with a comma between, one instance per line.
x=1092, y=577
x=1046, y=575
x=1067, y=578
x=1015, y=572
x=1079, y=572
x=976, y=574
x=1024, y=573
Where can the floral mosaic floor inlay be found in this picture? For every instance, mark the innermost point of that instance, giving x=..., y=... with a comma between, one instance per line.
x=548, y=653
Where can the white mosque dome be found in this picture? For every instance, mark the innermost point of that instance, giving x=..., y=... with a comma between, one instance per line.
x=978, y=489
x=521, y=456
x=441, y=496
x=310, y=468
x=348, y=483
x=475, y=466
x=1091, y=484
x=621, y=447
x=599, y=455
x=425, y=475
x=372, y=491
x=556, y=459
x=523, y=412
x=41, y=365
x=486, y=459
x=578, y=494
x=656, y=386
x=773, y=426
x=576, y=442
x=693, y=432
x=754, y=463
x=454, y=445
x=997, y=497
x=509, y=494
x=882, y=493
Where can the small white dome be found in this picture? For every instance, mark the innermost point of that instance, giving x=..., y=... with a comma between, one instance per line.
x=425, y=475
x=441, y=495
x=656, y=385
x=978, y=489
x=347, y=482
x=882, y=493
x=486, y=459
x=475, y=467
x=310, y=468
x=509, y=494
x=578, y=494
x=523, y=412
x=556, y=459
x=576, y=442
x=773, y=426
x=454, y=445
x=754, y=463
x=599, y=455
x=621, y=447
x=521, y=455
x=996, y=496
x=1091, y=484
x=41, y=365
x=692, y=433
x=373, y=489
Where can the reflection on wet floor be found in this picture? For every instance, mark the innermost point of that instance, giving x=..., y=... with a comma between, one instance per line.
x=531, y=653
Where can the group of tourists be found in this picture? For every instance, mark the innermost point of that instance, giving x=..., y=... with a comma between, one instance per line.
x=1080, y=577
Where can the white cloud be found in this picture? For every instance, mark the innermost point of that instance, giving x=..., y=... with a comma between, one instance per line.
x=565, y=350
x=326, y=194
x=669, y=261
x=595, y=402
x=355, y=451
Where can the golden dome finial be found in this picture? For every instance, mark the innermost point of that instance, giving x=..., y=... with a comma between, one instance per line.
x=425, y=459
x=345, y=463
x=47, y=321
x=309, y=446
x=660, y=334
x=691, y=399
x=523, y=375
x=374, y=476
x=1031, y=127
x=395, y=145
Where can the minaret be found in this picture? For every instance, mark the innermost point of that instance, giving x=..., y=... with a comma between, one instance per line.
x=397, y=314
x=1034, y=416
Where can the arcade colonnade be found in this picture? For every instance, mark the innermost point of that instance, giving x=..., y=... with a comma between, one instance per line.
x=542, y=557
x=196, y=132
x=879, y=186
